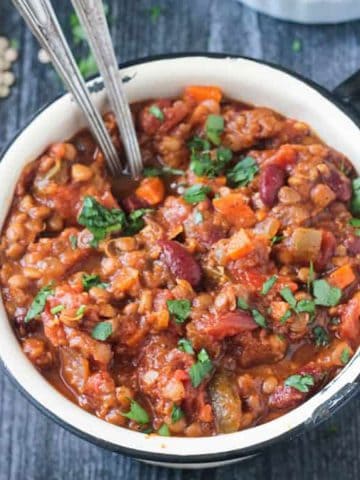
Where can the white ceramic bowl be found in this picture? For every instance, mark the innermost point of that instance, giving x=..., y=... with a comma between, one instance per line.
x=245, y=79
x=308, y=11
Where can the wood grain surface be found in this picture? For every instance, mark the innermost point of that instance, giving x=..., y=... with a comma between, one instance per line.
x=32, y=447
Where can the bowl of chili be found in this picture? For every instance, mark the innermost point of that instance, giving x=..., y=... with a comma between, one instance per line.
x=218, y=295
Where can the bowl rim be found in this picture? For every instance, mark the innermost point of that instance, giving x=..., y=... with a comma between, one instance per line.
x=150, y=455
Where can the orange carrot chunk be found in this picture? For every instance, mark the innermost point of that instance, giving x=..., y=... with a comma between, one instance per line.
x=151, y=190
x=342, y=276
x=239, y=246
x=235, y=210
x=201, y=93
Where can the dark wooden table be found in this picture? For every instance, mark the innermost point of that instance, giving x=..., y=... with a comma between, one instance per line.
x=33, y=447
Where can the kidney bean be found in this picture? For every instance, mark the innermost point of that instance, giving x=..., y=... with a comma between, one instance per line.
x=180, y=262
x=231, y=323
x=352, y=245
x=132, y=202
x=340, y=185
x=272, y=178
x=328, y=246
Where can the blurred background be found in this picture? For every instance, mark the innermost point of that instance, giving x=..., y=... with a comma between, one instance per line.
x=32, y=446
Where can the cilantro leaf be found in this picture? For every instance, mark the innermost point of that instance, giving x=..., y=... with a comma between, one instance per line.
x=199, y=144
x=258, y=318
x=300, y=382
x=288, y=296
x=39, y=302
x=135, y=221
x=137, y=413
x=214, y=126
x=156, y=112
x=201, y=368
x=321, y=336
x=179, y=309
x=242, y=304
x=267, y=286
x=99, y=220
x=202, y=163
x=197, y=193
x=285, y=317
x=305, y=305
x=325, y=294
x=345, y=356
x=92, y=280
x=355, y=199
x=160, y=171
x=185, y=346
x=57, y=309
x=80, y=311
x=243, y=172
x=176, y=414
x=73, y=242
x=276, y=239
x=355, y=222
x=164, y=430
x=102, y=331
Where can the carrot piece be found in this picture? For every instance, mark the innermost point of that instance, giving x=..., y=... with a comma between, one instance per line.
x=349, y=327
x=342, y=276
x=239, y=246
x=285, y=156
x=201, y=93
x=151, y=190
x=235, y=210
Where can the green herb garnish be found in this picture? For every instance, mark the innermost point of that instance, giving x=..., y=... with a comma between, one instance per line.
x=276, y=239
x=305, y=305
x=258, y=318
x=39, y=302
x=185, y=346
x=92, y=280
x=321, y=336
x=355, y=200
x=345, y=356
x=214, y=126
x=102, y=331
x=300, y=382
x=135, y=221
x=355, y=222
x=325, y=294
x=137, y=413
x=179, y=309
x=80, y=311
x=157, y=112
x=196, y=193
x=73, y=241
x=243, y=172
x=242, y=304
x=285, y=317
x=288, y=296
x=176, y=414
x=201, y=368
x=267, y=286
x=57, y=309
x=164, y=430
x=161, y=171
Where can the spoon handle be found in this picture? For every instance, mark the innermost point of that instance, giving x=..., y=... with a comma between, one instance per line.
x=93, y=19
x=42, y=20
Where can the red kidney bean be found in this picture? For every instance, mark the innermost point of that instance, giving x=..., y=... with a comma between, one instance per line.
x=180, y=262
x=328, y=246
x=231, y=323
x=340, y=185
x=352, y=245
x=272, y=178
x=132, y=202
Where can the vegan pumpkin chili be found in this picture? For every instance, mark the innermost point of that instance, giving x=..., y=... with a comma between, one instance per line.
x=216, y=293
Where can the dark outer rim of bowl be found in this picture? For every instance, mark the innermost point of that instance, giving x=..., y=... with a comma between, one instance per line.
x=164, y=457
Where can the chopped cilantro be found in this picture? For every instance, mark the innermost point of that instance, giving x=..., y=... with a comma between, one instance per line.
x=197, y=193
x=160, y=171
x=164, y=430
x=214, y=126
x=135, y=221
x=102, y=331
x=300, y=382
x=345, y=356
x=355, y=222
x=242, y=304
x=157, y=112
x=258, y=318
x=39, y=302
x=73, y=241
x=57, y=309
x=305, y=305
x=179, y=309
x=267, y=286
x=285, y=317
x=80, y=311
x=288, y=296
x=321, y=336
x=186, y=346
x=243, y=172
x=176, y=414
x=201, y=368
x=137, y=413
x=92, y=280
x=276, y=239
x=325, y=294
x=355, y=200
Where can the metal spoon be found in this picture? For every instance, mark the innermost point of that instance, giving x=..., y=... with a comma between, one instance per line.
x=93, y=19
x=41, y=19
